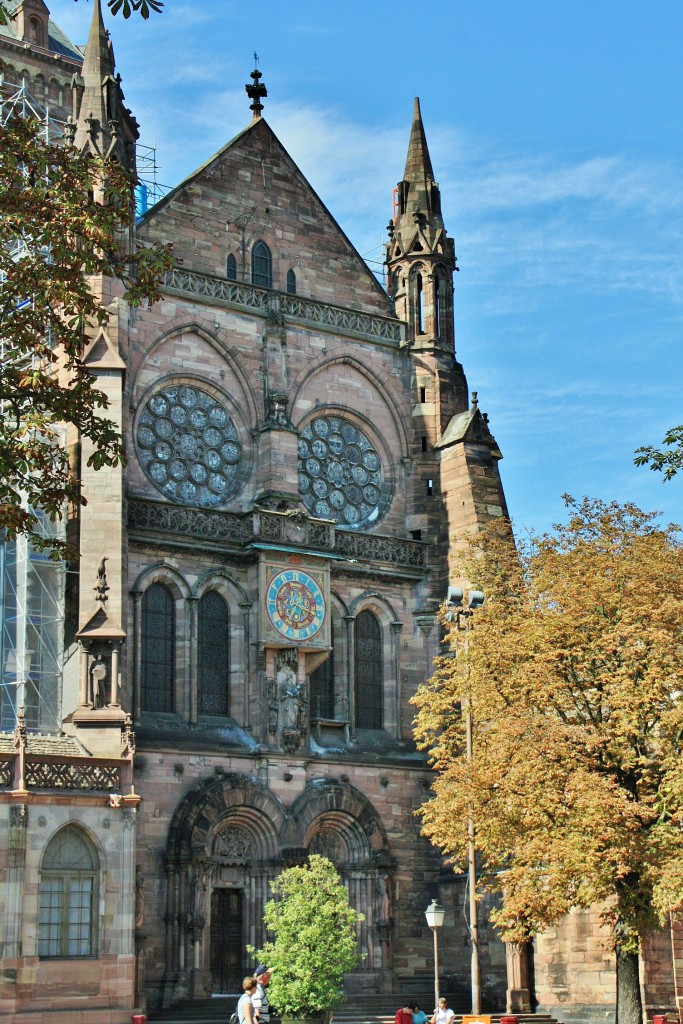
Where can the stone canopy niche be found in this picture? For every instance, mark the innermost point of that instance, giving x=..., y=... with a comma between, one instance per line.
x=99, y=711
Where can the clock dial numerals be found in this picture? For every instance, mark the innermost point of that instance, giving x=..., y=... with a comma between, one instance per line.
x=295, y=605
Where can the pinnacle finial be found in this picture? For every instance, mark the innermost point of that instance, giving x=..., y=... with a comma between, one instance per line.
x=257, y=90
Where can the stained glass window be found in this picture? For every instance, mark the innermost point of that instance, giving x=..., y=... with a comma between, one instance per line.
x=261, y=266
x=369, y=696
x=158, y=649
x=213, y=655
x=322, y=688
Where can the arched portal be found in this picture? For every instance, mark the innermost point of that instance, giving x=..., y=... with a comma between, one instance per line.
x=229, y=838
x=337, y=821
x=223, y=850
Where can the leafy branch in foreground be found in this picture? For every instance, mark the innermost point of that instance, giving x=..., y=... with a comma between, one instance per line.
x=667, y=459
x=64, y=219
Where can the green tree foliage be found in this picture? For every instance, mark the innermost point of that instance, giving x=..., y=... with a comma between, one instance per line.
x=574, y=673
x=315, y=938
x=668, y=459
x=55, y=236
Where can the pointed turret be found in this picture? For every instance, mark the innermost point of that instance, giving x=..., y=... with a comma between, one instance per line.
x=418, y=175
x=420, y=256
x=101, y=122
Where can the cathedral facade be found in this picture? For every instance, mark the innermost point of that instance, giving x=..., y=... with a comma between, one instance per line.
x=254, y=603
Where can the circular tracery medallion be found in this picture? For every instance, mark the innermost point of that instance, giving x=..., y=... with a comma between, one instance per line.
x=295, y=603
x=189, y=447
x=340, y=472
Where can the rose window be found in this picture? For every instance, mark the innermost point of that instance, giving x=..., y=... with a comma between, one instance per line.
x=189, y=446
x=340, y=472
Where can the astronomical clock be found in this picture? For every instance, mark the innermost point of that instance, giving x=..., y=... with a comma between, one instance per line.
x=295, y=604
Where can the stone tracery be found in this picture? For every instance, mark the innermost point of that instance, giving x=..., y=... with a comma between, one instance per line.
x=189, y=447
x=340, y=472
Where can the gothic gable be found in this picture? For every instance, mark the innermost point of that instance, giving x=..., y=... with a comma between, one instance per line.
x=250, y=215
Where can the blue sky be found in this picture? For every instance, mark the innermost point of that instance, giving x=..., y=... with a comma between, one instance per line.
x=556, y=133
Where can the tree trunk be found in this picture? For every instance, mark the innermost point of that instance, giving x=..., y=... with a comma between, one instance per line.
x=629, y=1003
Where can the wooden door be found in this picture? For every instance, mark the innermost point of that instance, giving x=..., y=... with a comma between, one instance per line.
x=227, y=947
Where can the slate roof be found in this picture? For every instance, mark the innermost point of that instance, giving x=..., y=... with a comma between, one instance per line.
x=57, y=41
x=59, y=746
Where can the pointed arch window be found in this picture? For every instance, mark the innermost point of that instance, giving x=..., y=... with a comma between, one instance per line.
x=261, y=265
x=231, y=267
x=368, y=674
x=322, y=688
x=157, y=663
x=437, y=306
x=419, y=304
x=291, y=282
x=213, y=655
x=35, y=32
x=67, y=914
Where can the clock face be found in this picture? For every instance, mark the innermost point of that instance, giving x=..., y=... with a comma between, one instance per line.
x=295, y=603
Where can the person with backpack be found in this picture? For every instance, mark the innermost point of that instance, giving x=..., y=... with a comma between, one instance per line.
x=261, y=1007
x=245, y=1007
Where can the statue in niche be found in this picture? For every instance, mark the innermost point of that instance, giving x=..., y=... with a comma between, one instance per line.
x=98, y=682
x=383, y=898
x=198, y=901
x=273, y=704
x=139, y=898
x=290, y=691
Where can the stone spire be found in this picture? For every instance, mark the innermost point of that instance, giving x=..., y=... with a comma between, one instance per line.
x=420, y=256
x=100, y=121
x=418, y=174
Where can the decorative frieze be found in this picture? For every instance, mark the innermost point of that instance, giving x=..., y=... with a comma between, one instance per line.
x=204, y=286
x=345, y=320
x=320, y=314
x=190, y=522
x=6, y=772
x=275, y=528
x=368, y=547
x=81, y=775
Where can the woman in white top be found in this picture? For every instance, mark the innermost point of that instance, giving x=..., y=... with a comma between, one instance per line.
x=443, y=1014
x=245, y=1009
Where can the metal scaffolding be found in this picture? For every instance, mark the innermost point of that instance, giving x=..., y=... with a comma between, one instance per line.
x=32, y=588
x=15, y=98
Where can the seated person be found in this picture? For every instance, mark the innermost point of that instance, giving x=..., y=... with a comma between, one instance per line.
x=443, y=1013
x=405, y=1014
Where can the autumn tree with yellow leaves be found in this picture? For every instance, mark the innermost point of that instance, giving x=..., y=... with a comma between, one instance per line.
x=574, y=677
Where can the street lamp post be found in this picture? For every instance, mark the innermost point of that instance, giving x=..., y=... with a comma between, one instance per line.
x=435, y=915
x=462, y=614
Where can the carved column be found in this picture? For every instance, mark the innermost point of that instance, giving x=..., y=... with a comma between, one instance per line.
x=350, y=621
x=83, y=686
x=517, y=961
x=193, y=603
x=245, y=608
x=114, y=694
x=13, y=917
x=396, y=628
x=137, y=653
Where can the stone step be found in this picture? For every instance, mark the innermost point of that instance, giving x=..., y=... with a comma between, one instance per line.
x=359, y=1009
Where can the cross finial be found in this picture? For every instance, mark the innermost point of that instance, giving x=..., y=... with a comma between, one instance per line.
x=257, y=90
